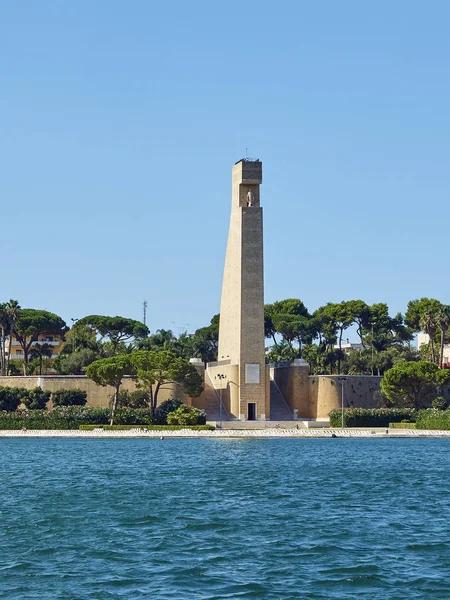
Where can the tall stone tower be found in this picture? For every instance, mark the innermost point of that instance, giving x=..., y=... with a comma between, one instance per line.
x=241, y=370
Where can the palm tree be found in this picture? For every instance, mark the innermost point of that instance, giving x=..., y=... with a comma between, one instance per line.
x=429, y=324
x=40, y=351
x=12, y=311
x=443, y=320
x=3, y=328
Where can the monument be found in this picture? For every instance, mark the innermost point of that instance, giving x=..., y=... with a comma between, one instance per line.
x=241, y=375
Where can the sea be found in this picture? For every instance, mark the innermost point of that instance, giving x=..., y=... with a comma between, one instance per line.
x=242, y=519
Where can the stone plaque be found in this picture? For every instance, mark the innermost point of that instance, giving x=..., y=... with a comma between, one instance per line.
x=252, y=373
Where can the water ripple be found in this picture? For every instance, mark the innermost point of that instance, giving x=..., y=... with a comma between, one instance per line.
x=207, y=519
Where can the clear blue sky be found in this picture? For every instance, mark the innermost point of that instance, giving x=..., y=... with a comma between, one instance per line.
x=121, y=120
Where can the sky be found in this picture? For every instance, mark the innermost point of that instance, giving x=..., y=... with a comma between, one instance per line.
x=121, y=120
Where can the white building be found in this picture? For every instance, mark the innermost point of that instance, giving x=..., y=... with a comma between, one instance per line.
x=347, y=346
x=424, y=338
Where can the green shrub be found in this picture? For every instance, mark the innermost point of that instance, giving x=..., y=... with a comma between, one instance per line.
x=36, y=399
x=433, y=418
x=70, y=417
x=413, y=384
x=370, y=417
x=73, y=397
x=11, y=398
x=186, y=415
x=440, y=403
x=164, y=409
x=402, y=425
x=147, y=427
x=131, y=416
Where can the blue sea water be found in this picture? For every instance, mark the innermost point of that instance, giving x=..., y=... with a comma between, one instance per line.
x=238, y=518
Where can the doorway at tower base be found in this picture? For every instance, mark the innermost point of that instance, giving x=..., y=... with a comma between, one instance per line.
x=222, y=389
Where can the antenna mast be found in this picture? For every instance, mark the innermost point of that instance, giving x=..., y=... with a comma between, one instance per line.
x=145, y=311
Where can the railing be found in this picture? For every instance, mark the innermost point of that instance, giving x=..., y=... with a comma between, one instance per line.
x=41, y=342
x=21, y=356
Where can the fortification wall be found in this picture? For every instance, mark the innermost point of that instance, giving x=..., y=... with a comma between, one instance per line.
x=293, y=383
x=325, y=392
x=314, y=396
x=97, y=396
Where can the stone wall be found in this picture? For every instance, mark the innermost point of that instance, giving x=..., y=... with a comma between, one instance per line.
x=293, y=382
x=230, y=390
x=314, y=396
x=97, y=396
x=325, y=392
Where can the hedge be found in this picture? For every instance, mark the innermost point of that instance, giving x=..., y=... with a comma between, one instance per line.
x=432, y=418
x=12, y=397
x=71, y=397
x=148, y=427
x=71, y=417
x=371, y=417
x=186, y=415
x=402, y=425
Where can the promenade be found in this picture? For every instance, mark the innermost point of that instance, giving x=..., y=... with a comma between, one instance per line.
x=231, y=433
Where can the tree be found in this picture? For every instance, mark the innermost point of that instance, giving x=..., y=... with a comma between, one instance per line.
x=155, y=369
x=384, y=332
x=288, y=325
x=116, y=329
x=290, y=306
x=3, y=329
x=185, y=346
x=281, y=352
x=76, y=362
x=428, y=322
x=162, y=339
x=360, y=313
x=413, y=384
x=205, y=343
x=315, y=357
x=443, y=321
x=417, y=308
x=290, y=319
x=342, y=315
x=12, y=309
x=79, y=338
x=422, y=315
x=31, y=323
x=110, y=371
x=36, y=399
x=327, y=327
x=269, y=328
x=41, y=351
